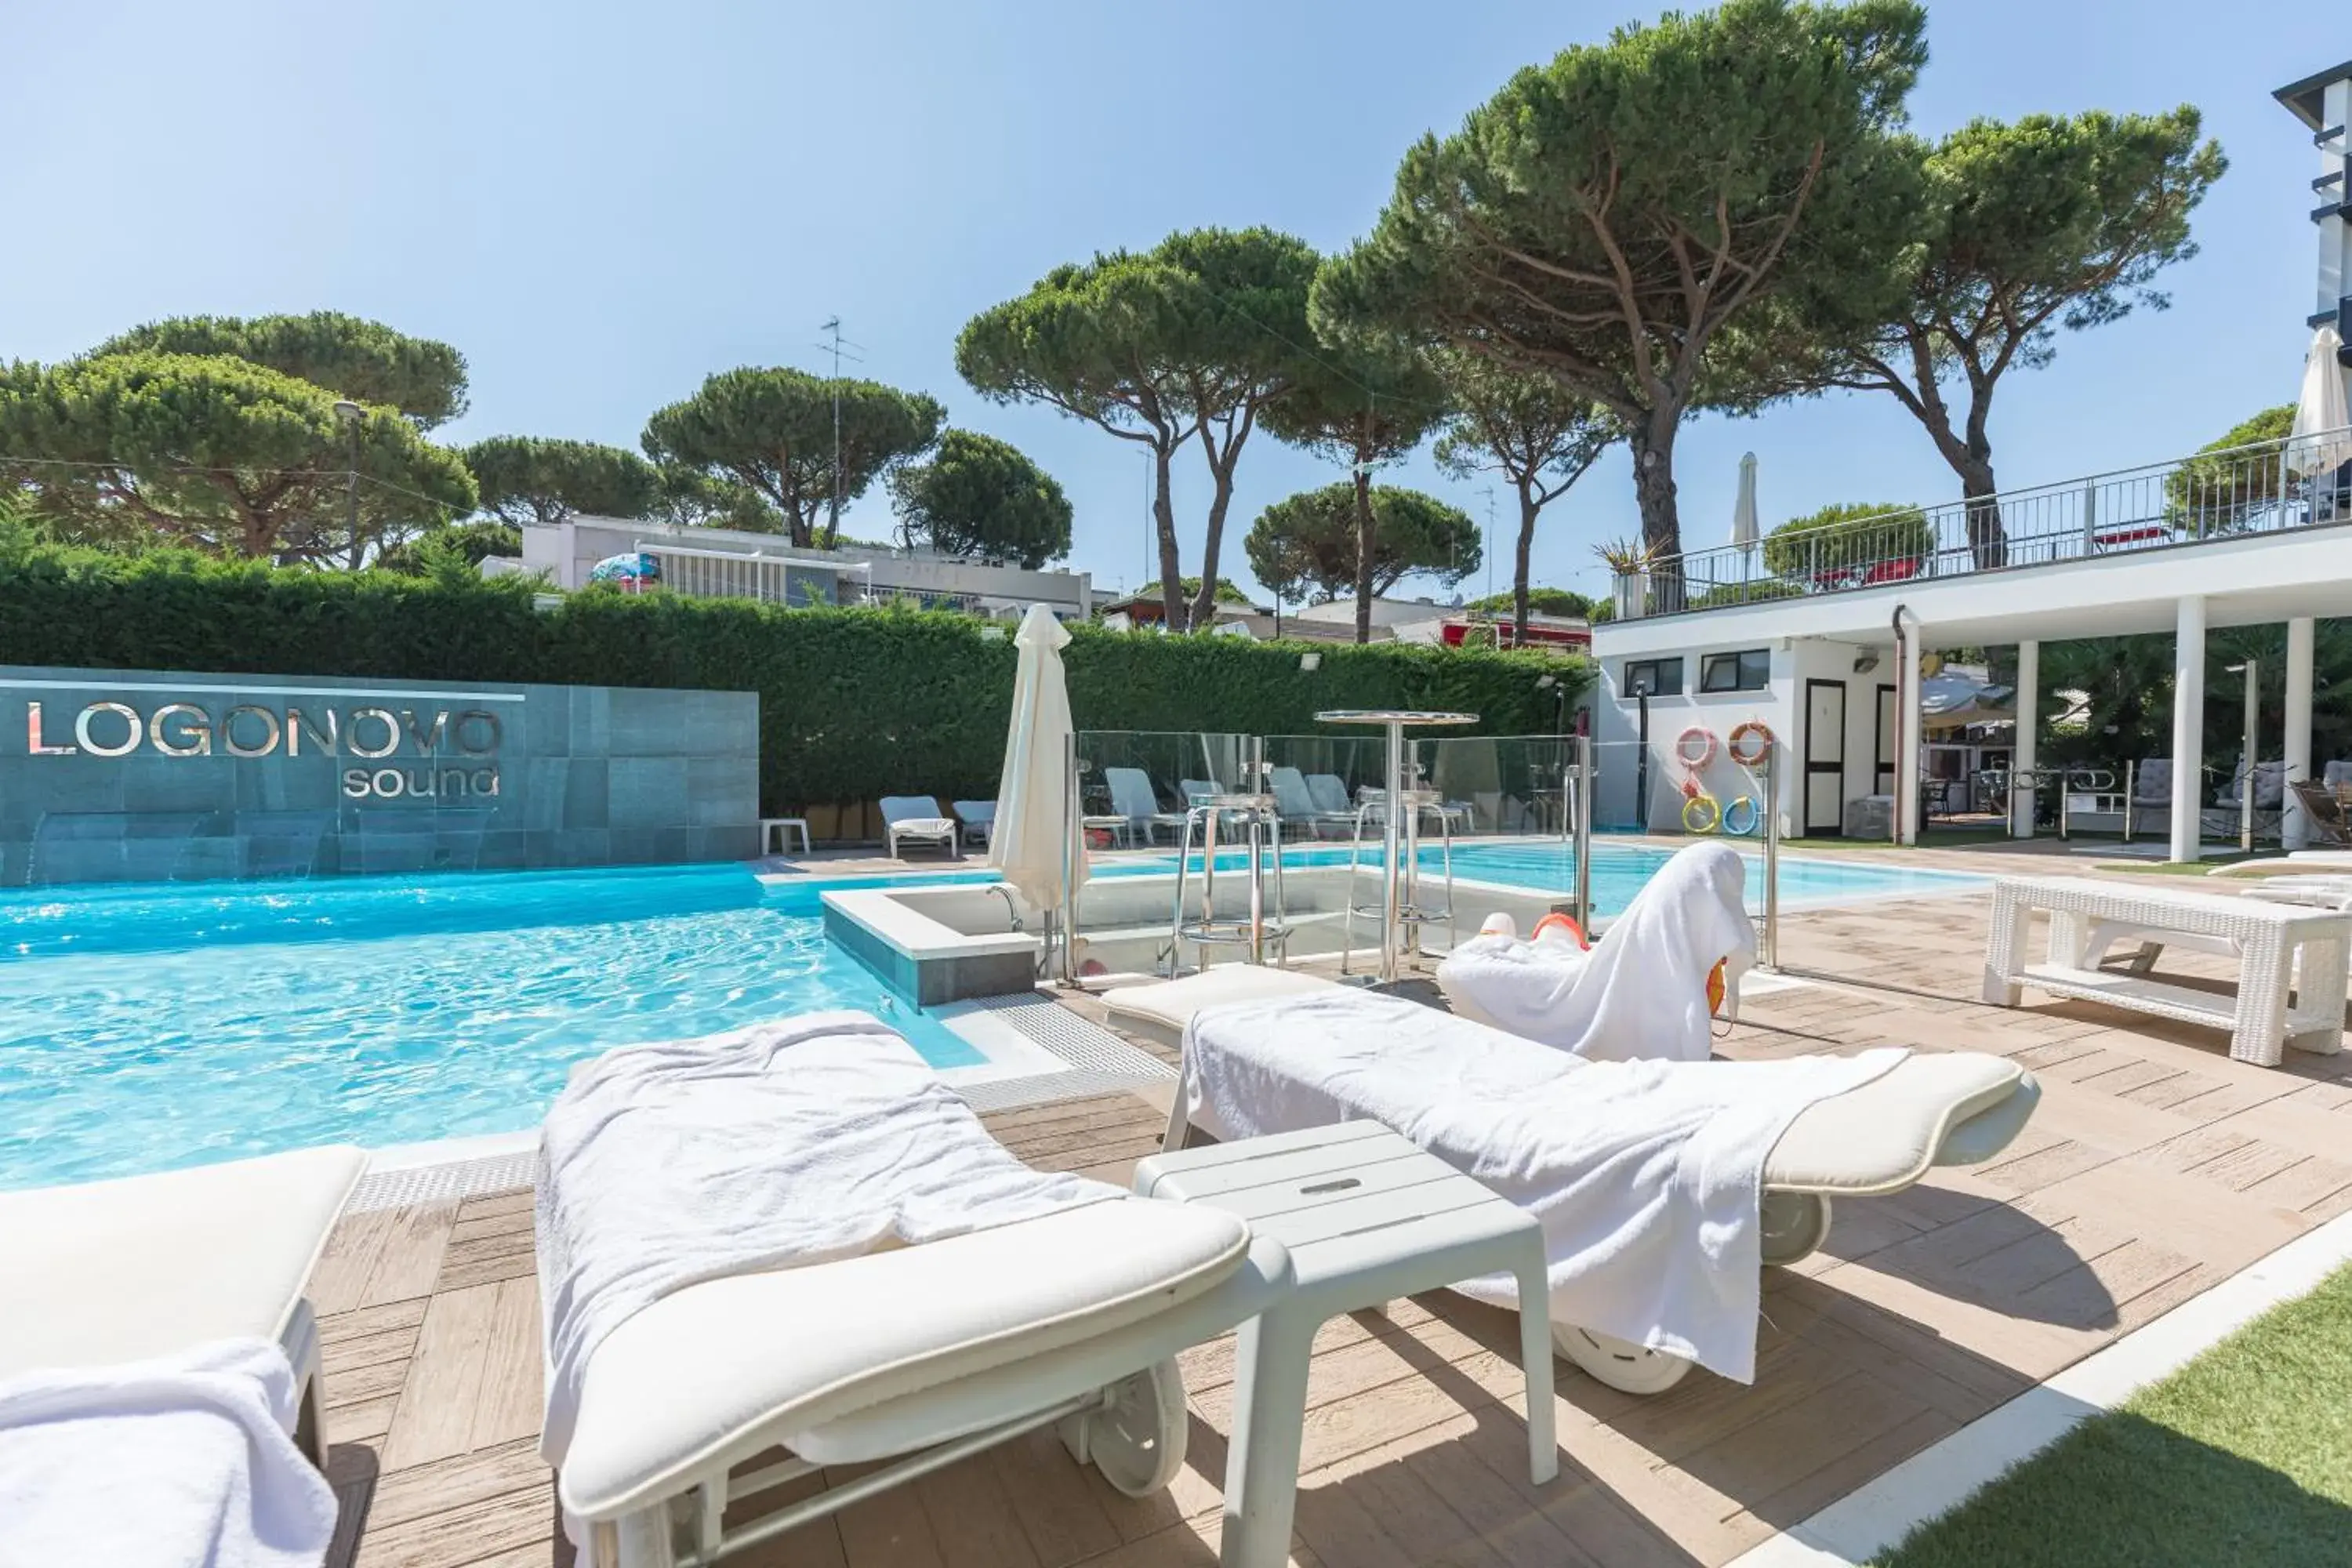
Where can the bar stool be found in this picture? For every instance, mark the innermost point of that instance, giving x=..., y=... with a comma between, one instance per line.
x=1251, y=820
x=1371, y=827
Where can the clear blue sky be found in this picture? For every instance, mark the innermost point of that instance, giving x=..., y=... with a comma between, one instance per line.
x=600, y=204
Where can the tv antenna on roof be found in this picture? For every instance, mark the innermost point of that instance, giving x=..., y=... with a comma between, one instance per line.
x=838, y=347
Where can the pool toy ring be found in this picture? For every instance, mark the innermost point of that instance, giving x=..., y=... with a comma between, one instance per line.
x=1703, y=807
x=1737, y=827
x=1757, y=731
x=1705, y=739
x=1556, y=920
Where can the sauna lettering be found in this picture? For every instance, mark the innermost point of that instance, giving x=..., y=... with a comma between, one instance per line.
x=455, y=753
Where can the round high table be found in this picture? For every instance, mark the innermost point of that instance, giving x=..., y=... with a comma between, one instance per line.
x=1396, y=721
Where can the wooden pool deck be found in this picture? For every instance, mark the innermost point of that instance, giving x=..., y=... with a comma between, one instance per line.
x=2155, y=1168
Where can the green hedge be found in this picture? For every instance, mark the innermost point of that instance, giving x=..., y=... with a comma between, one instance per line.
x=854, y=704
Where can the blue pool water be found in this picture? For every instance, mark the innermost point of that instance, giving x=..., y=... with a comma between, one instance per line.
x=1619, y=871
x=151, y=1027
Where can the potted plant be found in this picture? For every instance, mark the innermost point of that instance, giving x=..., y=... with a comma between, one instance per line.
x=1630, y=561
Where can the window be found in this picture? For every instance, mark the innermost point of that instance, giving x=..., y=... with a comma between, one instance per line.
x=1749, y=669
x=1653, y=678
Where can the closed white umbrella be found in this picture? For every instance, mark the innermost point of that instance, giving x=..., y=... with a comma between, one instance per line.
x=1036, y=830
x=1743, y=513
x=2321, y=410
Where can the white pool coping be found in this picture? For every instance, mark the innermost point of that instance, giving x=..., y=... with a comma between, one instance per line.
x=1867, y=1521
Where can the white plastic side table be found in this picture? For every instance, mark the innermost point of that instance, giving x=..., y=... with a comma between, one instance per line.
x=1368, y=1217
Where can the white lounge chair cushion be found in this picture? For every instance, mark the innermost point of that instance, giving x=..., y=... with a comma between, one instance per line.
x=1883, y=1136
x=145, y=1266
x=924, y=828
x=1159, y=1012
x=1951, y=1108
x=720, y=1370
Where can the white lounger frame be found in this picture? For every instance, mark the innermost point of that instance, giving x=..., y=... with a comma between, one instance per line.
x=1073, y=1387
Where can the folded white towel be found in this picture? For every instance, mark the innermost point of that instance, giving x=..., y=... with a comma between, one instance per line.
x=180, y=1462
x=1642, y=991
x=779, y=1146
x=1646, y=1176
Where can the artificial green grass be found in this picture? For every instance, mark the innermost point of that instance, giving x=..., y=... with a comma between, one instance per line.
x=2242, y=1457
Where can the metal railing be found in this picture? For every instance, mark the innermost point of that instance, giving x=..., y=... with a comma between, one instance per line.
x=2227, y=494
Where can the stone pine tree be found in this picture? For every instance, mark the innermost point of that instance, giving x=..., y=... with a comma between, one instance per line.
x=1362, y=404
x=1604, y=217
x=1193, y=341
x=350, y=356
x=217, y=453
x=772, y=431
x=535, y=478
x=2022, y=229
x=1307, y=546
x=1530, y=429
x=976, y=495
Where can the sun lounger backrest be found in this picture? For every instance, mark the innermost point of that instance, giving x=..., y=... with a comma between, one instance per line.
x=1291, y=797
x=2152, y=782
x=1329, y=791
x=976, y=811
x=908, y=807
x=1131, y=794
x=1193, y=789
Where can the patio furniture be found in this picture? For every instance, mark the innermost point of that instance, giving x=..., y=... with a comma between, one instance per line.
x=776, y=835
x=1367, y=1218
x=2324, y=816
x=1958, y=1108
x=917, y=819
x=1298, y=807
x=899, y=1360
x=2087, y=917
x=1412, y=910
x=1134, y=802
x=124, y=1270
x=979, y=819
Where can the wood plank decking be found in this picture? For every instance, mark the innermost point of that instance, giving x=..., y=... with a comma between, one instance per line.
x=2154, y=1167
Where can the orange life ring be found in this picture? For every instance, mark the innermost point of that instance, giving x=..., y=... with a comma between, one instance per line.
x=1556, y=920
x=1705, y=739
x=1756, y=730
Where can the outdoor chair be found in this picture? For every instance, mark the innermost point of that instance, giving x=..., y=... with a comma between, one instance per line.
x=2323, y=813
x=917, y=819
x=978, y=820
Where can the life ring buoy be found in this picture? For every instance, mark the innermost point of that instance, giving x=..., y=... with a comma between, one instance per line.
x=1704, y=806
x=1755, y=730
x=1705, y=739
x=1755, y=817
x=1556, y=920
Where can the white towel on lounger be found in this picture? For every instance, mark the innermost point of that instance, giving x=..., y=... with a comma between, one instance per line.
x=1646, y=1175
x=779, y=1146
x=179, y=1462
x=1642, y=991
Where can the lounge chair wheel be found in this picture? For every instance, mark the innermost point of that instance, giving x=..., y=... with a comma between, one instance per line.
x=1136, y=1440
x=1619, y=1364
x=1794, y=1226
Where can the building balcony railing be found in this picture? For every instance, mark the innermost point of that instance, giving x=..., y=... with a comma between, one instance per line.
x=2269, y=487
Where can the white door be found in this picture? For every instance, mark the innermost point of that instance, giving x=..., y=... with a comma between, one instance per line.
x=1824, y=758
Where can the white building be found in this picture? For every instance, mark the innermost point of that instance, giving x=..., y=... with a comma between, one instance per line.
x=1826, y=653
x=727, y=563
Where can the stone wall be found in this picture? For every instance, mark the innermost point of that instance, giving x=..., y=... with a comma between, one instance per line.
x=110, y=776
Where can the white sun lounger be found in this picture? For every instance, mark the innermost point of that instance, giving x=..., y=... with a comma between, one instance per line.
x=916, y=818
x=1943, y=1109
x=911, y=1357
x=109, y=1272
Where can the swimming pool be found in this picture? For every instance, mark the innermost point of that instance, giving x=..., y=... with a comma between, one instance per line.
x=1619, y=871
x=151, y=1027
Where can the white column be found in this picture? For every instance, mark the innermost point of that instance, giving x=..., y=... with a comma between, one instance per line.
x=2023, y=755
x=1906, y=762
x=2294, y=829
x=2188, y=724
